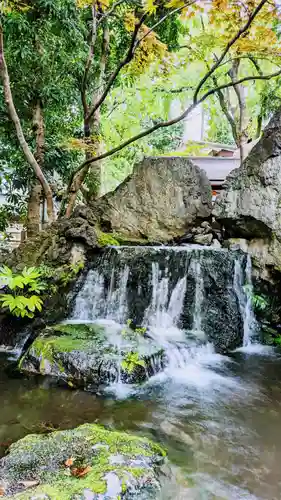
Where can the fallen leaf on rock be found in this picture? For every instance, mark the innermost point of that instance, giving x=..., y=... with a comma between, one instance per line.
x=29, y=484
x=2, y=492
x=80, y=471
x=69, y=462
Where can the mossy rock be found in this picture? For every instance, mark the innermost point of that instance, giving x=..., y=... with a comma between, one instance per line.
x=88, y=462
x=90, y=355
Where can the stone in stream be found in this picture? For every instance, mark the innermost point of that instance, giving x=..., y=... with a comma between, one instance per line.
x=76, y=465
x=90, y=355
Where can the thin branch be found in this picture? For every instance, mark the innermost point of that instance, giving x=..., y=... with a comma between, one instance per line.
x=114, y=107
x=228, y=47
x=110, y=11
x=123, y=63
x=135, y=43
x=174, y=91
x=242, y=80
x=256, y=64
x=179, y=118
x=224, y=108
x=187, y=4
x=258, y=56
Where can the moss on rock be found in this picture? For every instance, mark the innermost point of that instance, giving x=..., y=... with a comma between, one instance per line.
x=87, y=355
x=106, y=239
x=134, y=462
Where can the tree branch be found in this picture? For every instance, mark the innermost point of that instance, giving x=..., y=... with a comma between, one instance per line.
x=228, y=47
x=179, y=118
x=110, y=11
x=239, y=91
x=89, y=59
x=191, y=2
x=132, y=49
x=123, y=63
x=224, y=108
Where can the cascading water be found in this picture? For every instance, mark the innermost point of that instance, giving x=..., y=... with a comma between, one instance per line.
x=243, y=287
x=186, y=297
x=199, y=297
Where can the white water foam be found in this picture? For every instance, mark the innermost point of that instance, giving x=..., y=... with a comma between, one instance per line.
x=94, y=302
x=244, y=291
x=189, y=358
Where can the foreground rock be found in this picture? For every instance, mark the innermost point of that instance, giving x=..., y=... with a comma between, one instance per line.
x=90, y=355
x=87, y=463
x=161, y=200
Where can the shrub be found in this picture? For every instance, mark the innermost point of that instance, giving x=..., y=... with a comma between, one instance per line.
x=22, y=291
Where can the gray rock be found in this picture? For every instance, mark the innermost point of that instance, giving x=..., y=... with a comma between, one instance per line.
x=206, y=225
x=89, y=355
x=161, y=200
x=43, y=457
x=203, y=239
x=250, y=205
x=216, y=244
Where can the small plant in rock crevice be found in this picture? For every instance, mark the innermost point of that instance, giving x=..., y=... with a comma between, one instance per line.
x=131, y=330
x=22, y=291
x=131, y=362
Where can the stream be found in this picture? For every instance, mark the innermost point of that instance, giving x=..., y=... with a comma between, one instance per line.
x=218, y=416
x=219, y=421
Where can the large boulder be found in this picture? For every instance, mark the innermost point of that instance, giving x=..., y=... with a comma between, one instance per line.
x=92, y=355
x=250, y=205
x=87, y=463
x=161, y=200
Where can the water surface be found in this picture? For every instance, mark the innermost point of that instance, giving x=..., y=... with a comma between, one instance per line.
x=219, y=419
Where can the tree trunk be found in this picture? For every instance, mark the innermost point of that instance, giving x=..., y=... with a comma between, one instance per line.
x=20, y=135
x=242, y=118
x=35, y=197
x=33, y=210
x=91, y=132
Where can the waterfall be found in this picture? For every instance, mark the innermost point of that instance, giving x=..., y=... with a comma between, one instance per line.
x=185, y=297
x=243, y=287
x=199, y=298
x=94, y=301
x=162, y=314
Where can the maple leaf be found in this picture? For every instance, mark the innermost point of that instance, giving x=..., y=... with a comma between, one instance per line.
x=80, y=471
x=69, y=462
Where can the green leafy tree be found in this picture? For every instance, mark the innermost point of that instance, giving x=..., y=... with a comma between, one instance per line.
x=108, y=45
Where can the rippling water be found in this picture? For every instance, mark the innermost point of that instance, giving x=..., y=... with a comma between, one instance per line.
x=219, y=419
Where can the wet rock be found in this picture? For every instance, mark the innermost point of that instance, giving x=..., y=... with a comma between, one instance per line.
x=164, y=281
x=161, y=200
x=44, y=459
x=90, y=355
x=203, y=239
x=216, y=244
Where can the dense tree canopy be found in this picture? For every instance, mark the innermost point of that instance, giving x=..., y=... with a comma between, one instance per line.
x=86, y=81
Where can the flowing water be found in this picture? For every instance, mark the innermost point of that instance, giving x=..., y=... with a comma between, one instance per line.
x=218, y=416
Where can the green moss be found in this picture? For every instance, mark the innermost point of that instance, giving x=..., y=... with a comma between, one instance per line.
x=116, y=239
x=63, y=338
x=106, y=239
x=43, y=458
